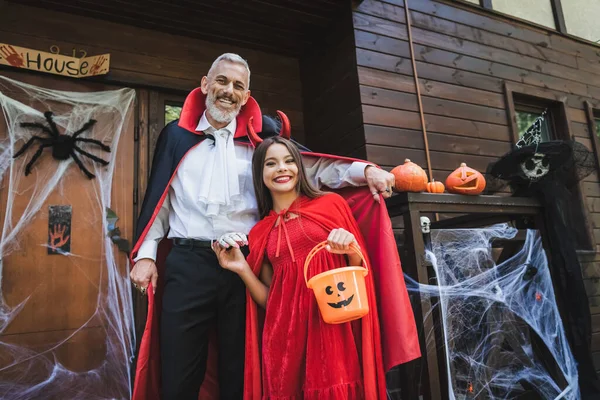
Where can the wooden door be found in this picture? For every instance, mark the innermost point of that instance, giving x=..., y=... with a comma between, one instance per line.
x=70, y=326
x=155, y=109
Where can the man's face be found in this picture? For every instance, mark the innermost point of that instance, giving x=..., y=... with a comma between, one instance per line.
x=226, y=91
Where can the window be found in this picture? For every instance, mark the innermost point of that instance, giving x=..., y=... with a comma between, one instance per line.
x=538, y=11
x=526, y=117
x=172, y=111
x=581, y=18
x=523, y=111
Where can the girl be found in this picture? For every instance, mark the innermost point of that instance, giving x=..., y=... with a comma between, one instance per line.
x=302, y=356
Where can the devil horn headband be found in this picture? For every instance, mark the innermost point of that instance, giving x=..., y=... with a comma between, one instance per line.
x=285, y=131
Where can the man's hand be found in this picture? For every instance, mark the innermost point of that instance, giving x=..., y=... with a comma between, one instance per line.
x=144, y=271
x=379, y=181
x=232, y=260
x=233, y=239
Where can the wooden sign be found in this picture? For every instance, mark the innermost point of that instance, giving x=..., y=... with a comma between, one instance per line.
x=20, y=57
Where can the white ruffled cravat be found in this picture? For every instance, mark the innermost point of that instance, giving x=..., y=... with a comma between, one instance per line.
x=219, y=184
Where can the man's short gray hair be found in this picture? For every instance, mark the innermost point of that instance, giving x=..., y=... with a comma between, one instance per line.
x=231, y=57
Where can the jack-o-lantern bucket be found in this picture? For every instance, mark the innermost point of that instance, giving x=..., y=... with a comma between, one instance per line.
x=341, y=292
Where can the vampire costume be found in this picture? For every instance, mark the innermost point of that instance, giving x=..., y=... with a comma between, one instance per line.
x=396, y=321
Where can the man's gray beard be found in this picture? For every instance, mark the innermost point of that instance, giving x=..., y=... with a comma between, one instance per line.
x=220, y=115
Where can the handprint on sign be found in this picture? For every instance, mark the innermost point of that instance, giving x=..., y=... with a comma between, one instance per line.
x=57, y=237
x=95, y=70
x=12, y=57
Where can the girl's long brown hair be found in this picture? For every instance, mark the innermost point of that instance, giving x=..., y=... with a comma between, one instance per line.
x=263, y=195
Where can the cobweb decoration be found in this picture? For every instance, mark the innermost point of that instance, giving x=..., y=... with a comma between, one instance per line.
x=503, y=336
x=66, y=321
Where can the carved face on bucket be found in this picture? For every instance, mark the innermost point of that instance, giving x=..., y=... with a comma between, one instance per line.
x=339, y=295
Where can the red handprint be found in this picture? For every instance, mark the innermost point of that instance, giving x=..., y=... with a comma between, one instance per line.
x=12, y=57
x=57, y=238
x=97, y=65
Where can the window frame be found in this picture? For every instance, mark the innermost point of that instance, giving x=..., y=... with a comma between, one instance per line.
x=557, y=13
x=557, y=108
x=592, y=115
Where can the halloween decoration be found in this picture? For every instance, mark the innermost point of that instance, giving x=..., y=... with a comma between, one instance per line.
x=341, y=293
x=63, y=146
x=409, y=177
x=425, y=225
x=465, y=180
x=79, y=301
x=549, y=171
x=284, y=132
x=435, y=187
x=59, y=229
x=535, y=167
x=114, y=233
x=502, y=332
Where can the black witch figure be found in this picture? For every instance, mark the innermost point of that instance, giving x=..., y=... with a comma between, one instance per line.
x=549, y=171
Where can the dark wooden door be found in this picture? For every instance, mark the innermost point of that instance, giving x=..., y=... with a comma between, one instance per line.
x=69, y=316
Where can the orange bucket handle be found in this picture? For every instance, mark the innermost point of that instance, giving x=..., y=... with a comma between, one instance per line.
x=320, y=247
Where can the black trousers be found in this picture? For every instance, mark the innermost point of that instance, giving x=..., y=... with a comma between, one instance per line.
x=198, y=295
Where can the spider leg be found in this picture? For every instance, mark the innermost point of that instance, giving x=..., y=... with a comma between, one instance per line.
x=84, y=128
x=93, y=157
x=28, y=144
x=37, y=155
x=81, y=166
x=53, y=127
x=37, y=125
x=94, y=141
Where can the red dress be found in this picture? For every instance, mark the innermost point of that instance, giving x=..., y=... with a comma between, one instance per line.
x=304, y=357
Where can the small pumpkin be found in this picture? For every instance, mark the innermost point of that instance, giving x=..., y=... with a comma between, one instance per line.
x=435, y=187
x=409, y=177
x=465, y=180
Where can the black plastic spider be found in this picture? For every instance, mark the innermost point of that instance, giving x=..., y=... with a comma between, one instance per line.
x=63, y=146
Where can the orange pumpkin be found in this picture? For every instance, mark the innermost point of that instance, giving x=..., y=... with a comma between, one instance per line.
x=435, y=187
x=409, y=177
x=465, y=180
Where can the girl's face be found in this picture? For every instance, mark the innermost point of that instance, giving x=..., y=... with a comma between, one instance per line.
x=280, y=171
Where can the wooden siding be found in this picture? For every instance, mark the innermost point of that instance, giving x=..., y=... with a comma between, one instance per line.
x=147, y=58
x=464, y=57
x=332, y=105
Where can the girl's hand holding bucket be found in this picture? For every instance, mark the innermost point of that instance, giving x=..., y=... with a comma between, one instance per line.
x=340, y=292
x=339, y=241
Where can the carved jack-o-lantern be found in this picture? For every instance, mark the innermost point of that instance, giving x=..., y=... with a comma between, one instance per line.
x=465, y=180
x=345, y=300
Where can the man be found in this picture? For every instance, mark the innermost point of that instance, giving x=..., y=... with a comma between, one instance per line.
x=199, y=191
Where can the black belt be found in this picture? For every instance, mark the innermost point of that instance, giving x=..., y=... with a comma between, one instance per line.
x=191, y=243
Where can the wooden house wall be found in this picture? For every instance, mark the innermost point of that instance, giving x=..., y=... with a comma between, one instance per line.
x=333, y=115
x=146, y=58
x=464, y=57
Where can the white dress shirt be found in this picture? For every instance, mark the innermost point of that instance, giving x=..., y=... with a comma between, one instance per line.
x=212, y=192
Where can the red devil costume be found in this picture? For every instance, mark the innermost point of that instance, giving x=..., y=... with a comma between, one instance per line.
x=393, y=317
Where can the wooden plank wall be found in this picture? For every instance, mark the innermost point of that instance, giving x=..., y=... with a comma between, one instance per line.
x=146, y=58
x=333, y=115
x=464, y=56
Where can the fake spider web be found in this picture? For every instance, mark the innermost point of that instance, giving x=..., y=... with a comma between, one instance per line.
x=502, y=333
x=66, y=320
